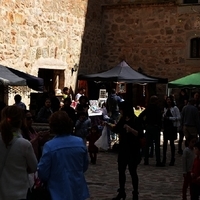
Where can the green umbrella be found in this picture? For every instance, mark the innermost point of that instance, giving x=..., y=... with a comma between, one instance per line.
x=190, y=81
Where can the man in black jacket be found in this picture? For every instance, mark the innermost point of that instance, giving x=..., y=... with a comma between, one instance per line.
x=152, y=117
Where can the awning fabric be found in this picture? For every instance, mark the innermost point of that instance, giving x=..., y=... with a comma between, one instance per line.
x=33, y=82
x=189, y=81
x=122, y=73
x=13, y=77
x=9, y=78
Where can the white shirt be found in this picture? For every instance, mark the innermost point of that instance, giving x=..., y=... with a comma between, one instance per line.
x=14, y=177
x=78, y=96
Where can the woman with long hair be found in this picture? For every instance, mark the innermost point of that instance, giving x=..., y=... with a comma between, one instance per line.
x=37, y=139
x=171, y=123
x=17, y=157
x=129, y=129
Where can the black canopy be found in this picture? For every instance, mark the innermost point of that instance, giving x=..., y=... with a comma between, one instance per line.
x=122, y=73
x=32, y=82
x=13, y=77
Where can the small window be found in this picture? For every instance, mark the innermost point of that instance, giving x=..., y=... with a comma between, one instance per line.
x=195, y=48
x=190, y=1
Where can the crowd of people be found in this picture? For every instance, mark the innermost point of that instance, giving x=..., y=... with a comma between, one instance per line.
x=61, y=162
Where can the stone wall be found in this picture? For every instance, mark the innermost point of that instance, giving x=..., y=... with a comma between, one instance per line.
x=153, y=37
x=97, y=35
x=50, y=34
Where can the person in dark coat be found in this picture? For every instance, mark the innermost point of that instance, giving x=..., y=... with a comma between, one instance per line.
x=45, y=112
x=55, y=103
x=152, y=117
x=69, y=110
x=130, y=130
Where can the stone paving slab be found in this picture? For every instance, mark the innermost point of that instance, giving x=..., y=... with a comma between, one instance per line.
x=155, y=183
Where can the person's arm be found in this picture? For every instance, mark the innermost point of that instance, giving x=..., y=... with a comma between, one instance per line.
x=30, y=157
x=177, y=115
x=131, y=130
x=44, y=166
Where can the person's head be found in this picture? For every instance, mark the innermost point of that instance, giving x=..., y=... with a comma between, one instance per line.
x=126, y=109
x=94, y=129
x=153, y=99
x=17, y=98
x=80, y=90
x=170, y=101
x=60, y=123
x=191, y=101
x=113, y=91
x=47, y=103
x=11, y=121
x=67, y=102
x=82, y=116
x=196, y=96
x=28, y=118
x=197, y=149
x=83, y=91
x=83, y=100
x=190, y=141
x=66, y=90
x=183, y=92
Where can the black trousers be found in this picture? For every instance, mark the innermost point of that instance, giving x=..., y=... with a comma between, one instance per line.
x=152, y=134
x=123, y=162
x=172, y=145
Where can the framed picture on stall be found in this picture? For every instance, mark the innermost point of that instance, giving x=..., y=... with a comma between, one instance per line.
x=102, y=93
x=121, y=88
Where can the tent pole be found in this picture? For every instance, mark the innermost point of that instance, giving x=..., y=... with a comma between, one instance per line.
x=167, y=90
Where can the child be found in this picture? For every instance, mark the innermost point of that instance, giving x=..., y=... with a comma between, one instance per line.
x=82, y=125
x=195, y=174
x=187, y=160
x=92, y=138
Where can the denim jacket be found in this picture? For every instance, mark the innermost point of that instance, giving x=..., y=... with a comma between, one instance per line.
x=62, y=166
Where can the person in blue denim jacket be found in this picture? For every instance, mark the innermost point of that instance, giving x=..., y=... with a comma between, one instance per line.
x=64, y=161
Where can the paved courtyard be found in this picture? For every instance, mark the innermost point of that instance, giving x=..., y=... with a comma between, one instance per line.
x=155, y=183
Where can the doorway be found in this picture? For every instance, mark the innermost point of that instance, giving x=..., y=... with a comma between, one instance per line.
x=53, y=79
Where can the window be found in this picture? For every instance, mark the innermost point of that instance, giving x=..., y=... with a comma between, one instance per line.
x=190, y=1
x=195, y=48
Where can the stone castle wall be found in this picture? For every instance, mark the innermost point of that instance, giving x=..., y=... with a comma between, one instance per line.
x=155, y=38
x=97, y=35
x=48, y=33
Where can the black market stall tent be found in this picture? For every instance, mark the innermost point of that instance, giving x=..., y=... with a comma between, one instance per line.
x=189, y=81
x=13, y=77
x=122, y=73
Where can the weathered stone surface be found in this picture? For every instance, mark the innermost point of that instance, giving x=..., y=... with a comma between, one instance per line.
x=97, y=34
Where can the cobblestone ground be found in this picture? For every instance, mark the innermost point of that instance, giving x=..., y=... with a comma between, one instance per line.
x=155, y=183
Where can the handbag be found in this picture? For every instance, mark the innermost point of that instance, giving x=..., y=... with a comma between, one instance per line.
x=38, y=191
x=102, y=142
